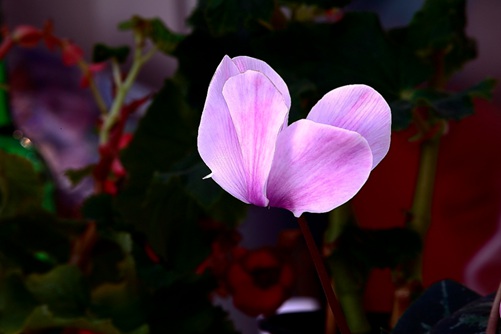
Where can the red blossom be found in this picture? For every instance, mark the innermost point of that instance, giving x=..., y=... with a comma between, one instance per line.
x=91, y=70
x=151, y=254
x=71, y=53
x=7, y=44
x=51, y=41
x=26, y=36
x=334, y=15
x=259, y=282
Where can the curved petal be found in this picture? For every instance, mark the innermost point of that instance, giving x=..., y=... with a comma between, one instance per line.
x=317, y=167
x=258, y=112
x=217, y=140
x=245, y=63
x=357, y=108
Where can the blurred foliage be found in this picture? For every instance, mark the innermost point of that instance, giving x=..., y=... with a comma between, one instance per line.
x=127, y=264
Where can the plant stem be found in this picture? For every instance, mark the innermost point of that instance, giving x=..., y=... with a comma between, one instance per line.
x=409, y=277
x=425, y=183
x=409, y=280
x=93, y=87
x=324, y=277
x=350, y=281
x=138, y=61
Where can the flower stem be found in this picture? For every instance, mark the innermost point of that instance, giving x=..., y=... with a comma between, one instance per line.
x=324, y=277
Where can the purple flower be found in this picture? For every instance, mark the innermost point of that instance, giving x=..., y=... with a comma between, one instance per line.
x=312, y=165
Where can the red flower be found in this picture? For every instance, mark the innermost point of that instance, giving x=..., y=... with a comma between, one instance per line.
x=71, y=53
x=7, y=44
x=89, y=73
x=259, y=282
x=26, y=36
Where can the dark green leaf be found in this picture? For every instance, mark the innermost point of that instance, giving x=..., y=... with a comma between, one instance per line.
x=454, y=106
x=16, y=302
x=483, y=89
x=439, y=301
x=77, y=175
x=321, y=3
x=385, y=248
x=34, y=242
x=354, y=50
x=223, y=17
x=21, y=189
x=120, y=302
x=401, y=114
x=62, y=289
x=154, y=29
x=100, y=209
x=42, y=318
x=189, y=308
x=438, y=30
x=165, y=40
x=103, y=53
x=472, y=318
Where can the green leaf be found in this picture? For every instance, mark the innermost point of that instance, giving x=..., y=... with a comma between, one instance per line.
x=483, y=89
x=16, y=302
x=222, y=17
x=457, y=105
x=320, y=3
x=166, y=134
x=155, y=199
x=100, y=209
x=62, y=289
x=103, y=53
x=35, y=242
x=385, y=248
x=189, y=308
x=42, y=318
x=120, y=302
x=445, y=307
x=401, y=114
x=165, y=40
x=438, y=29
x=354, y=50
x=77, y=175
x=21, y=189
x=154, y=29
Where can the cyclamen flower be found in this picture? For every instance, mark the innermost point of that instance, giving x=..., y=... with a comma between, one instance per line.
x=314, y=164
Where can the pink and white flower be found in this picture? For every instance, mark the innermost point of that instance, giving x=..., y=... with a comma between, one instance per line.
x=312, y=165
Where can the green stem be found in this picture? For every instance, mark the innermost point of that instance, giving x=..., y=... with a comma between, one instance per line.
x=93, y=87
x=408, y=278
x=138, y=61
x=425, y=183
x=349, y=282
x=423, y=199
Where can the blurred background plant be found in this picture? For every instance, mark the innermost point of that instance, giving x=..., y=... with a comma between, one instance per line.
x=139, y=244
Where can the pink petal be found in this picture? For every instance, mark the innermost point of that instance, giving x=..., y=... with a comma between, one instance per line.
x=317, y=167
x=245, y=63
x=258, y=112
x=357, y=108
x=217, y=140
